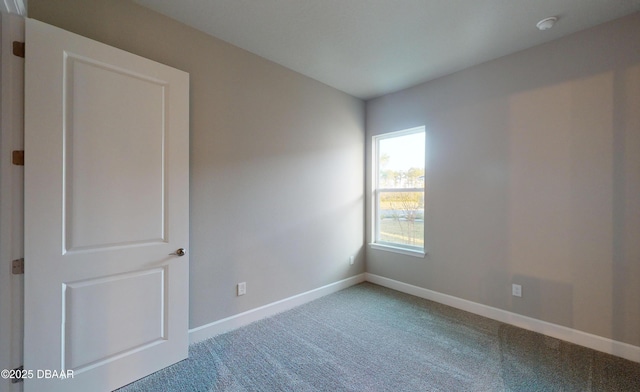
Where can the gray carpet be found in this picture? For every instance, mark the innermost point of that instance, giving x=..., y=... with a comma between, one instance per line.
x=369, y=338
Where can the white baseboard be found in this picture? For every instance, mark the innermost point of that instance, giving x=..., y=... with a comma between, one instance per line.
x=585, y=339
x=221, y=326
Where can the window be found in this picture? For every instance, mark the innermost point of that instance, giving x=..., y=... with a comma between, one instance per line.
x=398, y=191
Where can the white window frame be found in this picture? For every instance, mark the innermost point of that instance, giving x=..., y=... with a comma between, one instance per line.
x=376, y=190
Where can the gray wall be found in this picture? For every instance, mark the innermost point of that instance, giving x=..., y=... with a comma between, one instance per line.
x=533, y=172
x=533, y=177
x=277, y=161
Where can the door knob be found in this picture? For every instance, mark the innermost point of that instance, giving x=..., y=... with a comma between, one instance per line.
x=179, y=252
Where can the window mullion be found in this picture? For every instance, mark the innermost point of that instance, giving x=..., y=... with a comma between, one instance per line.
x=401, y=190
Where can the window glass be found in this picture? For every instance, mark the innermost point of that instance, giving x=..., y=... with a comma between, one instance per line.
x=399, y=189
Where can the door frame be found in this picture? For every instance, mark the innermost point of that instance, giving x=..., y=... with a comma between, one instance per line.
x=11, y=191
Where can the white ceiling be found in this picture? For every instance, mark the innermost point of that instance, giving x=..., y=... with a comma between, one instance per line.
x=367, y=48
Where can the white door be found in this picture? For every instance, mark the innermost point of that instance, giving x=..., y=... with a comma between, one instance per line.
x=106, y=203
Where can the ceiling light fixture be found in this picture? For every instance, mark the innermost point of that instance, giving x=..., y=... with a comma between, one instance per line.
x=547, y=23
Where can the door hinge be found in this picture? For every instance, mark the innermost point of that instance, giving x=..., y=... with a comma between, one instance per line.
x=18, y=49
x=19, y=371
x=17, y=267
x=18, y=157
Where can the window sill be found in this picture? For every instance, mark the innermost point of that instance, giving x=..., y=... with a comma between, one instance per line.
x=395, y=249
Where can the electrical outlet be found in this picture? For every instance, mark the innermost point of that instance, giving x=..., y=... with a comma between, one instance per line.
x=516, y=290
x=242, y=288
x=351, y=260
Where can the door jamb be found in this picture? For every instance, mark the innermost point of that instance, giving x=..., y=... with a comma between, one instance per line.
x=11, y=196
